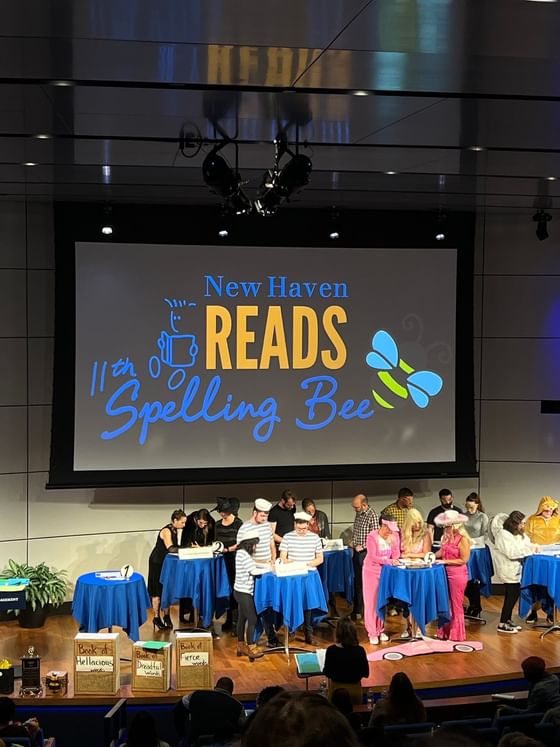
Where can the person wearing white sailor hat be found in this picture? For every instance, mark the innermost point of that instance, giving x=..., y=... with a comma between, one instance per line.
x=265, y=552
x=303, y=546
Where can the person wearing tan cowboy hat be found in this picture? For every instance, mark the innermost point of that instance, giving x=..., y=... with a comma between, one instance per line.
x=383, y=548
x=543, y=528
x=454, y=554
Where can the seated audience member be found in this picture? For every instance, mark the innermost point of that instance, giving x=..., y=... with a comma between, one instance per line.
x=552, y=716
x=142, y=732
x=214, y=712
x=319, y=523
x=299, y=718
x=346, y=661
x=509, y=545
x=267, y=693
x=543, y=528
x=518, y=739
x=8, y=725
x=343, y=702
x=400, y=705
x=544, y=688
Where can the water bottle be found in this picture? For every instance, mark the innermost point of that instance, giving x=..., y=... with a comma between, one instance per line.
x=323, y=686
x=370, y=699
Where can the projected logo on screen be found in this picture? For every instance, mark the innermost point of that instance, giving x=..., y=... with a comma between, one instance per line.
x=419, y=385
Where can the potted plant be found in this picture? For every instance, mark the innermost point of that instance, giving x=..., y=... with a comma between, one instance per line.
x=47, y=588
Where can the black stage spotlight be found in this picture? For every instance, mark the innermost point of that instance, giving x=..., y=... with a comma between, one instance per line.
x=541, y=219
x=225, y=181
x=280, y=184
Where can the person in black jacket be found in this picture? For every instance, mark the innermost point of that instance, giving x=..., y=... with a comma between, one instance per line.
x=544, y=688
x=209, y=712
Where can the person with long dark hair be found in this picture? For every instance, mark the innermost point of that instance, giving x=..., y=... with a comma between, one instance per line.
x=400, y=705
x=346, y=661
x=167, y=541
x=477, y=529
x=509, y=545
x=199, y=530
x=319, y=523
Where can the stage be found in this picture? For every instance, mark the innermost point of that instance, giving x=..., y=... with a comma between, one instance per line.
x=499, y=660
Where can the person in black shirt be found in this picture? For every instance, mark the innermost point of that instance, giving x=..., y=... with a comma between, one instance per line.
x=281, y=516
x=445, y=504
x=226, y=532
x=346, y=661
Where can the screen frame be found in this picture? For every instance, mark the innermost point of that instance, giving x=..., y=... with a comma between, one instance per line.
x=145, y=224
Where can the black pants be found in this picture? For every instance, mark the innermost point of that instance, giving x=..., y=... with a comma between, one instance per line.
x=472, y=592
x=511, y=595
x=358, y=562
x=247, y=614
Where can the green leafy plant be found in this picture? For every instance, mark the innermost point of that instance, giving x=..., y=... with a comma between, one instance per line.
x=46, y=585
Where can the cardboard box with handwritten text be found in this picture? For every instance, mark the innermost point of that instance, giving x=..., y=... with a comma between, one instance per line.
x=97, y=664
x=151, y=666
x=193, y=655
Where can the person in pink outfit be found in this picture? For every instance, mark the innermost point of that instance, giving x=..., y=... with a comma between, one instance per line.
x=454, y=554
x=383, y=548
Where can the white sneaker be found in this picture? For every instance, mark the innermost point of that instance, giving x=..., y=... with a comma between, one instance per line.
x=506, y=628
x=513, y=625
x=374, y=640
x=383, y=637
x=405, y=635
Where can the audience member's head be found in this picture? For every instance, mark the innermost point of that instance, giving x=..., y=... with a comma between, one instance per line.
x=7, y=711
x=341, y=699
x=401, y=688
x=224, y=683
x=299, y=720
x=267, y=693
x=534, y=668
x=518, y=739
x=142, y=731
x=346, y=633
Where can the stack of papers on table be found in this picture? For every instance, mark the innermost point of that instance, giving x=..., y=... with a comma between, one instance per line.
x=195, y=553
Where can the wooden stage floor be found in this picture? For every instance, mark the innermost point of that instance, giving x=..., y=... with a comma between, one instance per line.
x=500, y=658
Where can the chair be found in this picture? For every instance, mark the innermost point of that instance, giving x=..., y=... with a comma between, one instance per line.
x=517, y=721
x=401, y=729
x=490, y=734
x=547, y=734
x=471, y=723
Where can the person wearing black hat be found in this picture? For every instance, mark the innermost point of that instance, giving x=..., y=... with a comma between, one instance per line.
x=226, y=532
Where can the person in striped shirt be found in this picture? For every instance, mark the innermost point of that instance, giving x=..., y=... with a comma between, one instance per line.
x=302, y=546
x=243, y=591
x=265, y=552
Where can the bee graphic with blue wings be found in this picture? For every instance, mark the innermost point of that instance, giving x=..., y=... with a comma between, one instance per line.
x=384, y=358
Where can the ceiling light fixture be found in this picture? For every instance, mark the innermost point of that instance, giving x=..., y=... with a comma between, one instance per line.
x=440, y=234
x=29, y=163
x=42, y=136
x=280, y=184
x=334, y=227
x=62, y=83
x=477, y=148
x=550, y=178
x=107, y=227
x=390, y=173
x=541, y=218
x=360, y=93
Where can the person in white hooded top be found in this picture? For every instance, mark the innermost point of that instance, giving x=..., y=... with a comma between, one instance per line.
x=509, y=545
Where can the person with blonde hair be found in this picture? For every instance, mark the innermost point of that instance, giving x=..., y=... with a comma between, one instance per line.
x=543, y=528
x=454, y=554
x=416, y=540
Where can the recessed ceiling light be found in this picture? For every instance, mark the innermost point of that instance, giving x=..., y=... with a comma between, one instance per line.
x=550, y=178
x=29, y=163
x=391, y=173
x=42, y=136
x=477, y=148
x=62, y=83
x=361, y=93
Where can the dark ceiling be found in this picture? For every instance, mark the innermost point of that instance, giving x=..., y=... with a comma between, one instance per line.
x=405, y=86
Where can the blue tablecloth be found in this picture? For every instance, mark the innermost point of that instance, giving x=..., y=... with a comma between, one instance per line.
x=289, y=596
x=205, y=581
x=337, y=573
x=425, y=591
x=481, y=569
x=541, y=573
x=100, y=603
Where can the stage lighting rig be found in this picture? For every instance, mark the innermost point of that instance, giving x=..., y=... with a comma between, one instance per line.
x=280, y=184
x=225, y=180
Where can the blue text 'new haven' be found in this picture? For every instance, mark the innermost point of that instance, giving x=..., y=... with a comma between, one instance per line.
x=276, y=286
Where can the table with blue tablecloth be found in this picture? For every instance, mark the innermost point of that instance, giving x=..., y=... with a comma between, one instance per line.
x=102, y=602
x=424, y=590
x=337, y=573
x=289, y=596
x=481, y=569
x=541, y=574
x=203, y=580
